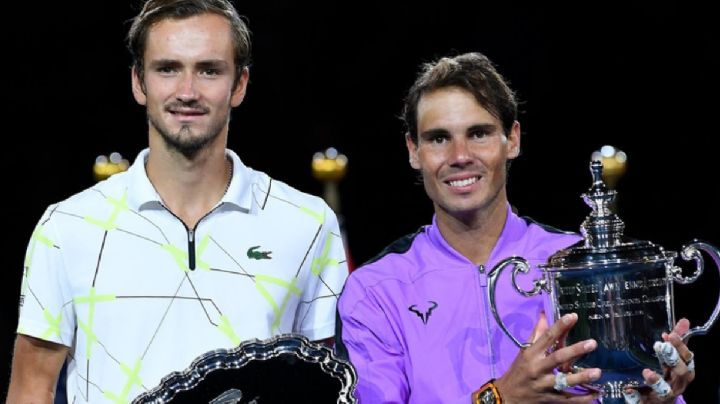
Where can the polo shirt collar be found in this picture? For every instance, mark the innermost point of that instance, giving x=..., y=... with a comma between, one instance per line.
x=240, y=191
x=141, y=192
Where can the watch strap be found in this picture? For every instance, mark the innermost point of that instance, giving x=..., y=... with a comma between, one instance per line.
x=487, y=394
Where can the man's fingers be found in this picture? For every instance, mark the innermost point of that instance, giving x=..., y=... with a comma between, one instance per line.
x=650, y=376
x=685, y=367
x=551, y=336
x=684, y=352
x=659, y=385
x=683, y=371
x=681, y=327
x=667, y=353
x=560, y=340
x=561, y=381
x=571, y=398
x=586, y=376
x=568, y=354
x=631, y=396
x=540, y=327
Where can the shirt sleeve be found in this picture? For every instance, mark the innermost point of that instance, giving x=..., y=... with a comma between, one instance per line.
x=328, y=272
x=373, y=347
x=46, y=309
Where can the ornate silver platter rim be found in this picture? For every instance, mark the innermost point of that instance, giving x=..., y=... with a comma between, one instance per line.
x=251, y=350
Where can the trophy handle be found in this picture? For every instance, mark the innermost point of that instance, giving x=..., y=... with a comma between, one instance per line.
x=521, y=265
x=690, y=252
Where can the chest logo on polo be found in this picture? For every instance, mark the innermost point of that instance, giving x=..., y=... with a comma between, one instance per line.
x=424, y=316
x=258, y=255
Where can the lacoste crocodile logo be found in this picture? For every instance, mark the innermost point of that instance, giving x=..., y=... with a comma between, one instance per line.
x=426, y=315
x=258, y=255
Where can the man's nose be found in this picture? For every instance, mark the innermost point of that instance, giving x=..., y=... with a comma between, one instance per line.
x=460, y=153
x=187, y=90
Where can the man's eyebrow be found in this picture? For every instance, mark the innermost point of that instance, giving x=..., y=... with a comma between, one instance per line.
x=164, y=63
x=487, y=127
x=434, y=132
x=214, y=63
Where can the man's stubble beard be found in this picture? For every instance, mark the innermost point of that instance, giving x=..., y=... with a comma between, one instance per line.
x=184, y=142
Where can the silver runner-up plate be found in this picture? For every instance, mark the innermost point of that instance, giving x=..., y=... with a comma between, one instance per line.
x=287, y=368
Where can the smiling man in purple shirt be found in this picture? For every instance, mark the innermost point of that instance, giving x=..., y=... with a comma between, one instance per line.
x=416, y=320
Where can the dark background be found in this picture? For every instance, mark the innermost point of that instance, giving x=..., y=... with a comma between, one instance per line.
x=640, y=75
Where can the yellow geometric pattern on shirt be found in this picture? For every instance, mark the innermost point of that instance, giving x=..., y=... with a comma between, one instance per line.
x=277, y=309
x=319, y=216
x=118, y=206
x=53, y=324
x=199, y=252
x=320, y=263
x=37, y=237
x=180, y=255
x=92, y=298
x=132, y=379
x=226, y=328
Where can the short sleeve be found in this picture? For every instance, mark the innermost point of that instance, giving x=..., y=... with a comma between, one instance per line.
x=328, y=272
x=46, y=309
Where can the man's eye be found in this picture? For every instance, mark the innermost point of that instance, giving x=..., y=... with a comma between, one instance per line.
x=211, y=72
x=478, y=134
x=438, y=139
x=166, y=70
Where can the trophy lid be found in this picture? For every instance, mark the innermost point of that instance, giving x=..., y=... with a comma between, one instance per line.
x=604, y=244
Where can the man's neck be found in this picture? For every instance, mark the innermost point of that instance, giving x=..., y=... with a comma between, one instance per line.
x=189, y=188
x=474, y=235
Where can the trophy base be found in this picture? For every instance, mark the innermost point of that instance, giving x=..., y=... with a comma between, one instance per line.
x=620, y=369
x=611, y=391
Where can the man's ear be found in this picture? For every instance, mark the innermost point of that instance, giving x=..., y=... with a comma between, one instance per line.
x=514, y=141
x=238, y=94
x=138, y=88
x=412, y=151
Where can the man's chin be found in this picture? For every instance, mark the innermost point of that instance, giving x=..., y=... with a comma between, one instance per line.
x=466, y=204
x=463, y=209
x=187, y=147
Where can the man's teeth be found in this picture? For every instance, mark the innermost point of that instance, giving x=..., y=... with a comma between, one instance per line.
x=463, y=183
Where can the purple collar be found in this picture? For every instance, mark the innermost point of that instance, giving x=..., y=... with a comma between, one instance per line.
x=512, y=231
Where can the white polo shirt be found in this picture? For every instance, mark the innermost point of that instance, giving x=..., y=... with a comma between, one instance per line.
x=111, y=273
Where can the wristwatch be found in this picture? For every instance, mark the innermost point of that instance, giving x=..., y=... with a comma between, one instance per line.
x=487, y=394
